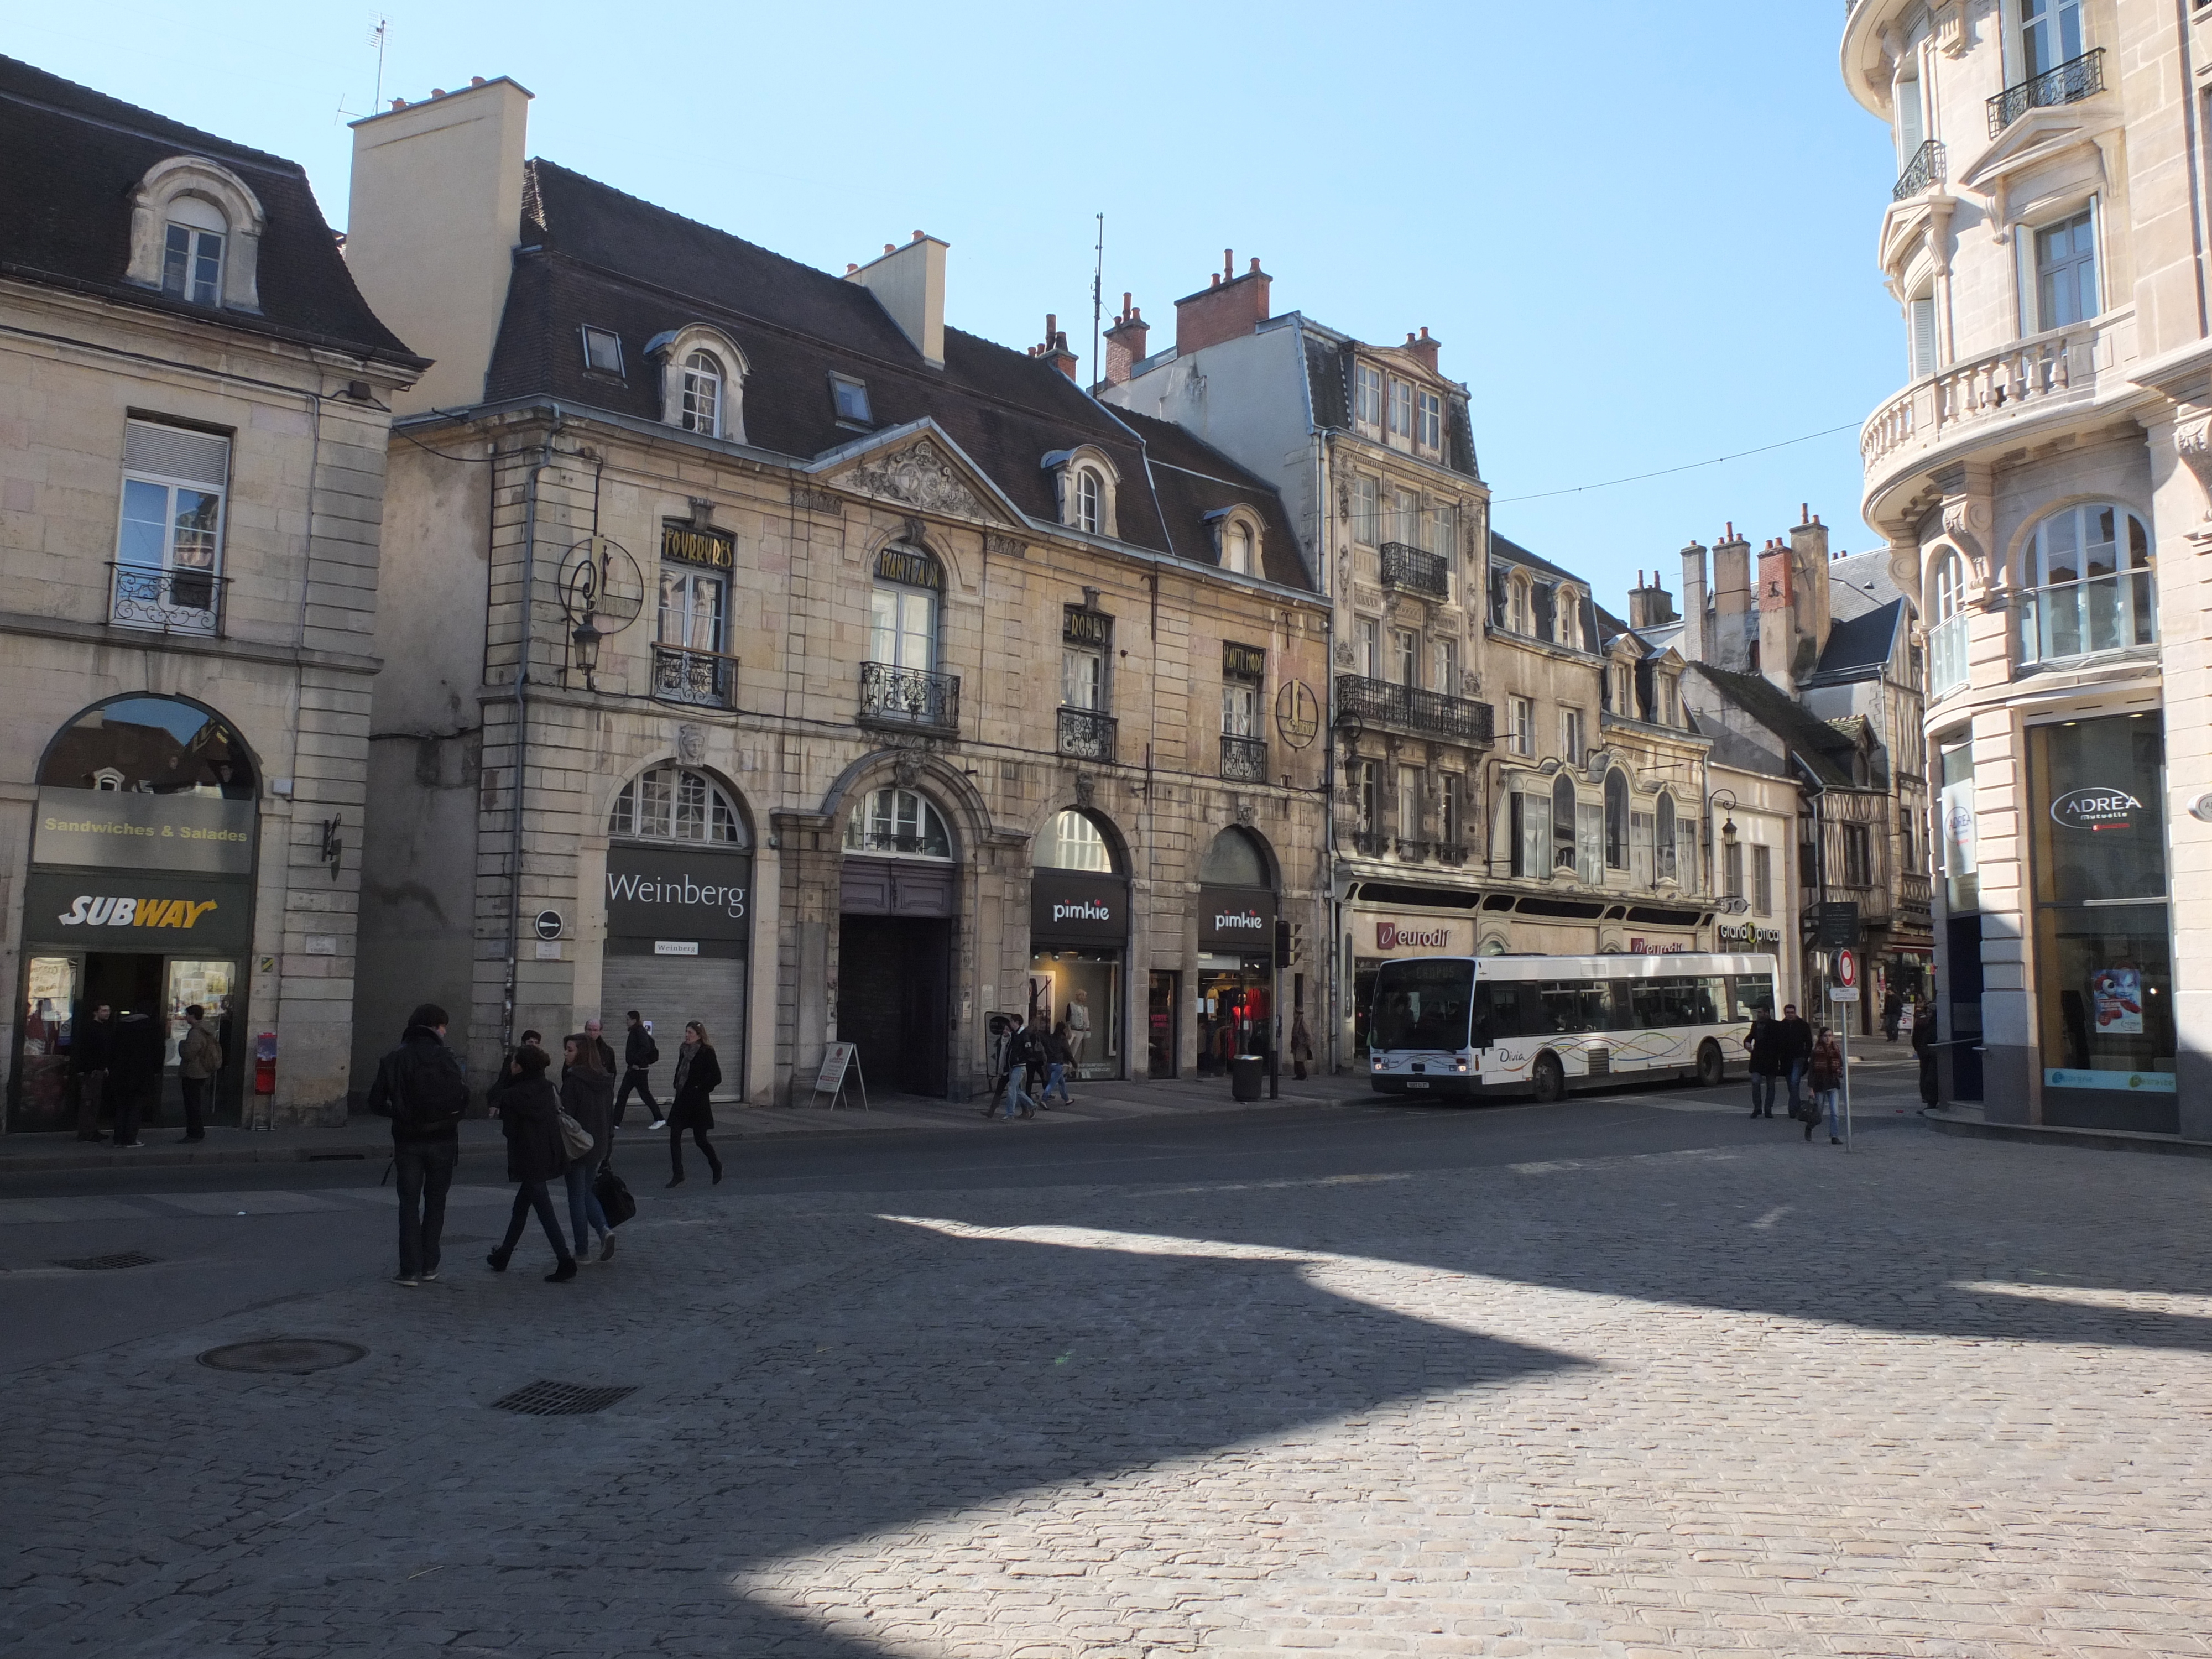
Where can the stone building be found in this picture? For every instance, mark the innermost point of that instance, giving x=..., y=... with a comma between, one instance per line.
x=765, y=652
x=2040, y=482
x=192, y=428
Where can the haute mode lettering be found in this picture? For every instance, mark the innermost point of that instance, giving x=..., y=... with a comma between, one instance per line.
x=680, y=890
x=100, y=910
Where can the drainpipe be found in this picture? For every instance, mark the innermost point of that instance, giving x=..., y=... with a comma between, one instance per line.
x=1819, y=855
x=521, y=740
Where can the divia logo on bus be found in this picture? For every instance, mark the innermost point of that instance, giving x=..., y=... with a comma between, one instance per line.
x=100, y=910
x=2095, y=809
x=1248, y=919
x=1389, y=936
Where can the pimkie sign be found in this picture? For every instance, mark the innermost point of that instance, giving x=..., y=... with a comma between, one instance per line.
x=1239, y=920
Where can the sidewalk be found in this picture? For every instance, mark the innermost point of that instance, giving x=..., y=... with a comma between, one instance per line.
x=364, y=1138
x=1965, y=1118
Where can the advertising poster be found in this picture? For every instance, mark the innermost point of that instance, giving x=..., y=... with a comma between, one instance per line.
x=2115, y=994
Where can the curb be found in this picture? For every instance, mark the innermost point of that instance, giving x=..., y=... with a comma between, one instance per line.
x=2097, y=1140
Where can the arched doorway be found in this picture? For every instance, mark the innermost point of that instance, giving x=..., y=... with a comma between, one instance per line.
x=140, y=898
x=1079, y=933
x=899, y=896
x=1235, y=950
x=679, y=919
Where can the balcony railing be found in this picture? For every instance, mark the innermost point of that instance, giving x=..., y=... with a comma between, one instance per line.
x=2072, y=81
x=1925, y=169
x=705, y=679
x=909, y=698
x=1412, y=849
x=1368, y=844
x=1409, y=709
x=2022, y=380
x=1416, y=570
x=1243, y=760
x=1086, y=734
x=176, y=601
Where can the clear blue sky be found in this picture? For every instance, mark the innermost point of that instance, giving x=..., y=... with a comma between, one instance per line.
x=1645, y=235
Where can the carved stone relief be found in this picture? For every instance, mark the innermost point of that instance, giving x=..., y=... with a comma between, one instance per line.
x=1346, y=659
x=2192, y=442
x=805, y=499
x=691, y=745
x=922, y=476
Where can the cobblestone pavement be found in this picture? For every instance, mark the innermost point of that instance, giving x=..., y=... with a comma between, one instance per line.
x=1934, y=1397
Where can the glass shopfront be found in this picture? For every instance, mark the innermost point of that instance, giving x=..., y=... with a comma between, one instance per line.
x=2104, y=953
x=1236, y=974
x=1079, y=936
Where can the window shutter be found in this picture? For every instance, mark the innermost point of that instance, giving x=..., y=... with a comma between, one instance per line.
x=168, y=452
x=1924, y=337
x=1911, y=127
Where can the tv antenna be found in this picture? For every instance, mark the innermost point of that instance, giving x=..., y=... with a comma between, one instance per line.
x=379, y=33
x=1097, y=299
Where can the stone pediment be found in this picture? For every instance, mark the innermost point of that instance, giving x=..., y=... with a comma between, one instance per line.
x=923, y=474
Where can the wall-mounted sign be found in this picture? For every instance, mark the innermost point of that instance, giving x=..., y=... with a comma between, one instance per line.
x=1082, y=627
x=910, y=567
x=549, y=924
x=691, y=543
x=1244, y=662
x=1747, y=937
x=1236, y=918
x=1078, y=907
x=2095, y=809
x=1654, y=947
x=1419, y=936
x=129, y=910
x=113, y=829
x=1836, y=923
x=657, y=896
x=1297, y=713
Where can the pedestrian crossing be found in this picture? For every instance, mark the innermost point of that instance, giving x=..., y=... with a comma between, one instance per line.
x=145, y=1206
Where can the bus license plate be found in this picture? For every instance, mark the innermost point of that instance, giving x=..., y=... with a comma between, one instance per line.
x=1416, y=1083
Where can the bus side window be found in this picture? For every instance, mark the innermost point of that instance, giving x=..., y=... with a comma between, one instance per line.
x=1497, y=1011
x=1713, y=997
x=1622, y=996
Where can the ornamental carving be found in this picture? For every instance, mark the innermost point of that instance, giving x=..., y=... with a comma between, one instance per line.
x=920, y=476
x=1346, y=659
x=1086, y=788
x=691, y=745
x=806, y=499
x=2192, y=442
x=1951, y=34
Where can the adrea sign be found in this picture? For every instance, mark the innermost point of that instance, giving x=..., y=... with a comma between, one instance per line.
x=2095, y=809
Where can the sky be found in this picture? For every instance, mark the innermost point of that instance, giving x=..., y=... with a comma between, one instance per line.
x=1644, y=235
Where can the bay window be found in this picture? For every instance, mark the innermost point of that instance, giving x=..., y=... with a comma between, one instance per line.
x=2089, y=572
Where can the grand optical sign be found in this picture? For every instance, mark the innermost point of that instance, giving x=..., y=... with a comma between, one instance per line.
x=2095, y=809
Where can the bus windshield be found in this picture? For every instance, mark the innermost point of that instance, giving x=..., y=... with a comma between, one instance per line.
x=1422, y=1004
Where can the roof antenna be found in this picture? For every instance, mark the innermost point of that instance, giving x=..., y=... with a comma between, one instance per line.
x=1097, y=299
x=377, y=34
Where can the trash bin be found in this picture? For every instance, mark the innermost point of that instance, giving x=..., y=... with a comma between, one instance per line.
x=1248, y=1076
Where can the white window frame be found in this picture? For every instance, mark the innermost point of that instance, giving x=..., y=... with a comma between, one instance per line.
x=1519, y=605
x=1367, y=399
x=1572, y=751
x=1366, y=509
x=1923, y=352
x=682, y=612
x=1240, y=708
x=704, y=379
x=1408, y=803
x=891, y=611
x=2134, y=587
x=1400, y=408
x=1090, y=499
x=676, y=803
x=1521, y=727
x=133, y=603
x=195, y=244
x=1443, y=665
x=1369, y=644
x=1428, y=420
x=1082, y=677
x=1947, y=665
x=883, y=815
x=2027, y=274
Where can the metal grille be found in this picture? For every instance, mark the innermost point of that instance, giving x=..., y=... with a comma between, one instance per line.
x=2076, y=78
x=1086, y=734
x=100, y=1264
x=168, y=452
x=560, y=1399
x=1926, y=168
x=703, y=677
x=1366, y=702
x=177, y=601
x=1415, y=570
x=1243, y=760
x=907, y=696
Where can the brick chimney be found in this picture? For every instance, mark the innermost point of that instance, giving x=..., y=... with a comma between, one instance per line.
x=1650, y=605
x=1230, y=308
x=1735, y=615
x=1695, y=642
x=1125, y=344
x=1423, y=350
x=1777, y=621
x=1054, y=349
x=1808, y=545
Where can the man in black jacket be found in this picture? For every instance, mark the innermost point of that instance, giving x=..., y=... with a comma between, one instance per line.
x=1763, y=1043
x=90, y=1043
x=1797, y=1052
x=640, y=1053
x=421, y=1087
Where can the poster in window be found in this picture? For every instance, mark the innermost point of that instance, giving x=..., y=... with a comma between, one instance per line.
x=2116, y=993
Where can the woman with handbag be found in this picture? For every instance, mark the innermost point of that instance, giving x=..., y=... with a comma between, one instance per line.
x=530, y=1118
x=697, y=1075
x=1826, y=1075
x=587, y=1101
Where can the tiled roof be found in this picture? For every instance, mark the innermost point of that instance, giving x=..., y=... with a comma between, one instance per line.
x=1859, y=647
x=73, y=158
x=1826, y=750
x=592, y=255
x=1514, y=553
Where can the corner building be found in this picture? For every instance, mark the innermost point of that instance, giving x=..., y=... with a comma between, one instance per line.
x=2041, y=482
x=764, y=651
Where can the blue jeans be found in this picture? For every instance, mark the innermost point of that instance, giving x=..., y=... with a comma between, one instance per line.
x=1056, y=1077
x=425, y=1171
x=1796, y=1082
x=584, y=1203
x=1762, y=1094
x=1017, y=1094
x=1833, y=1100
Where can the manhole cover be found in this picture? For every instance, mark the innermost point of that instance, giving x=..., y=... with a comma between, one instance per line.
x=291, y=1356
x=99, y=1264
x=560, y=1400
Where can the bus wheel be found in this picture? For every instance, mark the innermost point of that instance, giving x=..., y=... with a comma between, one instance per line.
x=1550, y=1078
x=1708, y=1064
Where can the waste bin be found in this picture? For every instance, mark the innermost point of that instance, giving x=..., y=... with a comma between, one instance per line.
x=1248, y=1076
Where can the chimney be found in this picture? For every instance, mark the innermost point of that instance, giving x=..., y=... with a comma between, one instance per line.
x=1694, y=624
x=1125, y=344
x=435, y=216
x=1809, y=548
x=909, y=282
x=1423, y=350
x=1735, y=620
x=1054, y=349
x=1777, y=619
x=1650, y=605
x=1228, y=309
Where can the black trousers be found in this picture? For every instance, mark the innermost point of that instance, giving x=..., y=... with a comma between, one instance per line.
x=532, y=1196
x=89, y=1088
x=637, y=1078
x=195, y=1091
x=124, y=1095
x=699, y=1138
x=424, y=1171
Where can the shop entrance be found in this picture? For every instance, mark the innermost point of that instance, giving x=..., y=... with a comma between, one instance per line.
x=1163, y=1023
x=894, y=976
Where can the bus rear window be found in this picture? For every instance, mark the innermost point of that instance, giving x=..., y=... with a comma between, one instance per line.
x=1421, y=1005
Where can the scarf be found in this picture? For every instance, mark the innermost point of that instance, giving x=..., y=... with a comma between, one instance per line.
x=684, y=1056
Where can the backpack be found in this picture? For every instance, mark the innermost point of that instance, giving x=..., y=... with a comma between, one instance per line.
x=651, y=1050
x=431, y=1098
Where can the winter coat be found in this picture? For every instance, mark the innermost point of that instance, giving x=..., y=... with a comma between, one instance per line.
x=1058, y=1050
x=407, y=1072
x=1797, y=1040
x=638, y=1048
x=1827, y=1071
x=92, y=1043
x=606, y=1052
x=527, y=1118
x=1769, y=1055
x=1924, y=1032
x=589, y=1097
x=200, y=1056
x=698, y=1074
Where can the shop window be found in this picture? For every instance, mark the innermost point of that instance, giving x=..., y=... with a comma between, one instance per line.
x=674, y=803
x=1563, y=823
x=1532, y=834
x=151, y=746
x=1235, y=860
x=900, y=822
x=1957, y=837
x=1667, y=867
x=1074, y=841
x=2091, y=575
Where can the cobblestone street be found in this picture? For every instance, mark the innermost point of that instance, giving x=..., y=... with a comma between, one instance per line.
x=1597, y=1379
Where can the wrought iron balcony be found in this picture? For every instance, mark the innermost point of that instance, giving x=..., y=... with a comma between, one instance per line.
x=1416, y=570
x=909, y=698
x=2072, y=81
x=1086, y=734
x=175, y=601
x=1925, y=169
x=705, y=679
x=1368, y=844
x=1412, y=849
x=1243, y=760
x=1452, y=852
x=1408, y=708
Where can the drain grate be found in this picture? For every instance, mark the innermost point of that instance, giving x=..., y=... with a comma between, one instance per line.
x=100, y=1264
x=560, y=1400
x=288, y=1356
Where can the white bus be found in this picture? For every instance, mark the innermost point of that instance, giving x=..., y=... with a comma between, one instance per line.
x=1544, y=1025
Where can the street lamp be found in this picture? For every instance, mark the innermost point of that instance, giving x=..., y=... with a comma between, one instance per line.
x=585, y=640
x=1721, y=800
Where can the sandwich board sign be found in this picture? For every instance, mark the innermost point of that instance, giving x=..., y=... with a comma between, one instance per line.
x=841, y=1057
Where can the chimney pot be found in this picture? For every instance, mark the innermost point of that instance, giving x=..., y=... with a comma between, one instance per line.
x=1804, y=512
x=917, y=236
x=1229, y=262
x=1216, y=283
x=1124, y=302
x=1256, y=264
x=1050, y=323
x=1424, y=331
x=1409, y=337
x=850, y=267
x=891, y=248
x=399, y=103
x=476, y=80
x=437, y=92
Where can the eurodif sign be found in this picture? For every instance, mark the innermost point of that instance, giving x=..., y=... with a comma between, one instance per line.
x=1236, y=919
x=1078, y=907
x=1422, y=936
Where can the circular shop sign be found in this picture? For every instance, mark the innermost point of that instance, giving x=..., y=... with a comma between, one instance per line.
x=549, y=924
x=1297, y=713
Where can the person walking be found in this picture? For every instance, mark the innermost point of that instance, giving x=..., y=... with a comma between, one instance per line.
x=1058, y=1057
x=510, y=1071
x=1011, y=1088
x=92, y=1043
x=1924, y=1046
x=1796, y=1053
x=530, y=1118
x=1892, y=1012
x=698, y=1073
x=1768, y=1059
x=1824, y=1072
x=587, y=1093
x=640, y=1056
x=595, y=1030
x=134, y=1071
x=421, y=1087
x=199, y=1057
x=1302, y=1049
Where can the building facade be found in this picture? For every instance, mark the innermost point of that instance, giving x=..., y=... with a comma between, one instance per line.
x=2040, y=482
x=793, y=662
x=192, y=429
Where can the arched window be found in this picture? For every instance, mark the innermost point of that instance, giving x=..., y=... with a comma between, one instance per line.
x=903, y=608
x=1571, y=619
x=1520, y=610
x=1090, y=500
x=703, y=394
x=1236, y=549
x=150, y=747
x=899, y=821
x=673, y=803
x=2090, y=570
x=1666, y=835
x=192, y=250
x=1616, y=819
x=1563, y=823
x=1947, y=641
x=1073, y=840
x=196, y=234
x=1235, y=860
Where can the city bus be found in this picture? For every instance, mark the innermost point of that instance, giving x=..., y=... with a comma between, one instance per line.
x=1545, y=1025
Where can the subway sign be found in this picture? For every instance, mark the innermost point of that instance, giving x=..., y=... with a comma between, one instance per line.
x=125, y=911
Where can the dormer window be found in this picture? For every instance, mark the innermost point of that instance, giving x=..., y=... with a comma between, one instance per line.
x=703, y=394
x=1236, y=549
x=196, y=234
x=1085, y=480
x=603, y=351
x=1569, y=609
x=1402, y=411
x=1429, y=422
x=1090, y=499
x=850, y=398
x=702, y=381
x=191, y=254
x=1520, y=611
x=1237, y=540
x=1367, y=397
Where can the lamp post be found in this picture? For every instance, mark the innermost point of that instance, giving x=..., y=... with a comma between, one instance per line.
x=586, y=642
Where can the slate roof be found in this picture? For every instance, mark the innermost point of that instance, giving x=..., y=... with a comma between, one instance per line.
x=1329, y=359
x=1860, y=646
x=591, y=254
x=1514, y=553
x=73, y=159
x=1827, y=752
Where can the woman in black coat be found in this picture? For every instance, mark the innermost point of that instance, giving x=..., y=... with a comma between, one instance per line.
x=529, y=1116
x=587, y=1094
x=697, y=1075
